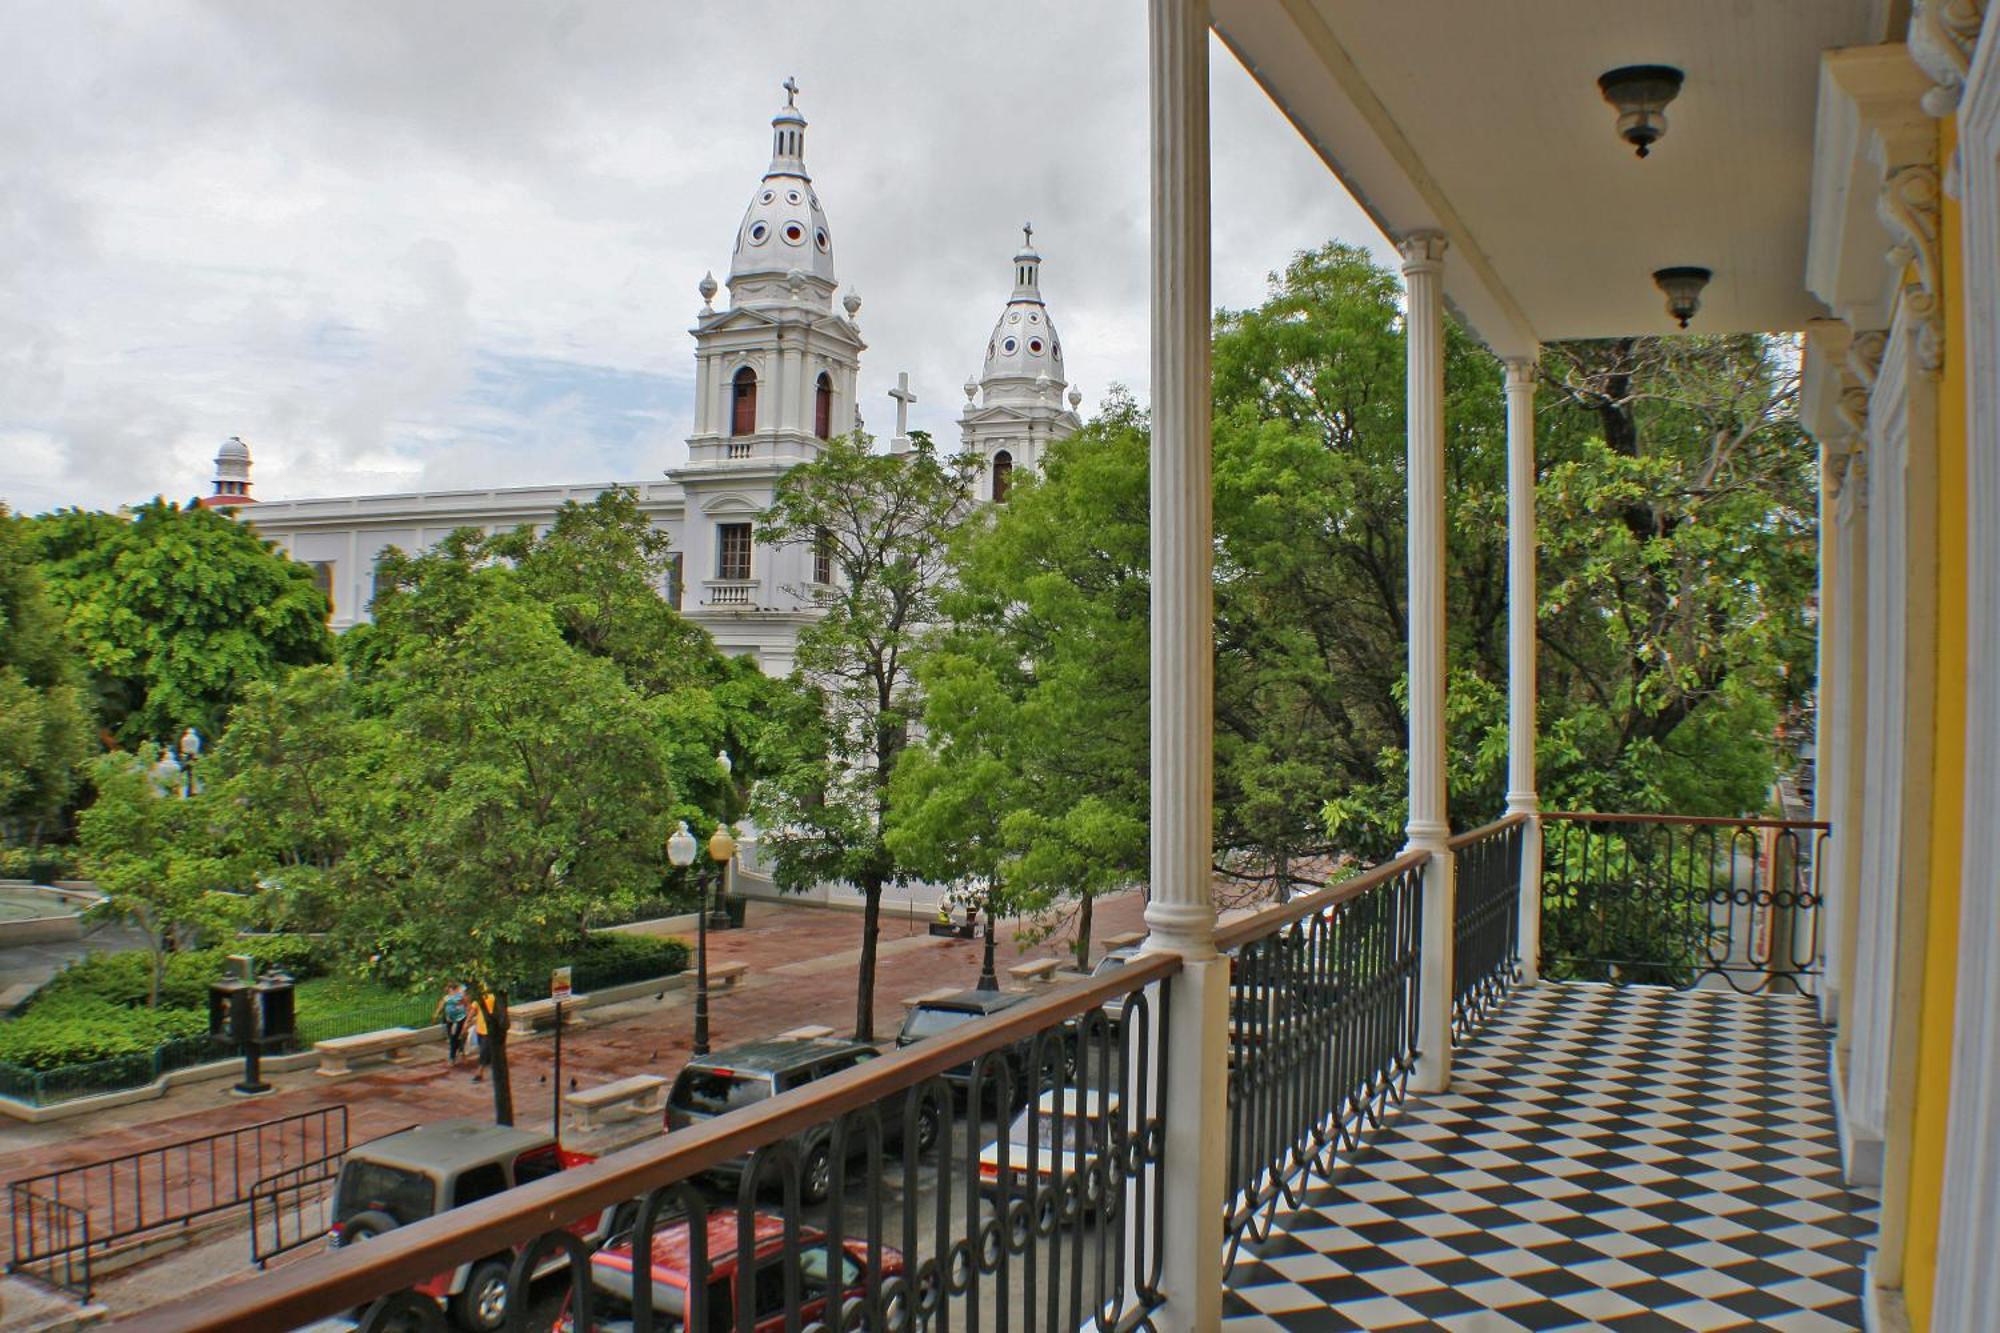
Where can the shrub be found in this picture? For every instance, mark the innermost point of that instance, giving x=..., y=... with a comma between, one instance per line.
x=302, y=956
x=79, y=1029
x=613, y=960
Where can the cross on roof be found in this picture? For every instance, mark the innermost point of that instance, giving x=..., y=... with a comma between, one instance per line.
x=1028, y=234
x=904, y=397
x=791, y=87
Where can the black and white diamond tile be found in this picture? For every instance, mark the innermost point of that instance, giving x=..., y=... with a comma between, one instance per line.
x=1606, y=1158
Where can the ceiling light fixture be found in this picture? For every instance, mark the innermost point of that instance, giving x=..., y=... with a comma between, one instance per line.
x=1683, y=288
x=1641, y=94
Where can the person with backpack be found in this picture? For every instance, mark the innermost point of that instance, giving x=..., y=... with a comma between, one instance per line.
x=452, y=1011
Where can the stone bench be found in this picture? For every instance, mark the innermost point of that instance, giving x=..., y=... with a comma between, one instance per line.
x=1041, y=971
x=536, y=1014
x=810, y=1032
x=639, y=1096
x=727, y=974
x=339, y=1055
x=1124, y=941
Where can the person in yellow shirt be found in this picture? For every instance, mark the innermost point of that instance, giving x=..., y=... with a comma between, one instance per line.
x=479, y=1012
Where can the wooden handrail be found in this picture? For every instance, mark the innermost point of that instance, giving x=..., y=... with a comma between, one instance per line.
x=1592, y=817
x=340, y=1279
x=1274, y=919
x=1484, y=831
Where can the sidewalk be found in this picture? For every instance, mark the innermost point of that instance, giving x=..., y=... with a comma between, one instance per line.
x=802, y=962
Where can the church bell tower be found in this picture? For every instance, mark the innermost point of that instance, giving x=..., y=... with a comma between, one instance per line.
x=775, y=377
x=1015, y=408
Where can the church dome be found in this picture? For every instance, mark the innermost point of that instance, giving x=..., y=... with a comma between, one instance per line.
x=784, y=228
x=233, y=449
x=1024, y=344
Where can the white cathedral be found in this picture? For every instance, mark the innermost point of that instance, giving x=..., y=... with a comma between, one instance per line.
x=775, y=375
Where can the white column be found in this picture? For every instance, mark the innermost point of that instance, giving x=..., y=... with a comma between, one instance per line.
x=1181, y=915
x=1423, y=277
x=1522, y=601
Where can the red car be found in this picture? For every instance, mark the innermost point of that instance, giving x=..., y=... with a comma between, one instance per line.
x=416, y=1173
x=611, y=1278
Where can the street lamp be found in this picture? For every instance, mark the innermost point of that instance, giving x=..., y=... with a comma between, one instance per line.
x=721, y=849
x=680, y=853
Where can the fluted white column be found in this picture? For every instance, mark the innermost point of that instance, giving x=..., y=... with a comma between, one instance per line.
x=1181, y=914
x=1423, y=277
x=1522, y=601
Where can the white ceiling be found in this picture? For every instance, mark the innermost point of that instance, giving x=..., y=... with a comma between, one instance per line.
x=1483, y=118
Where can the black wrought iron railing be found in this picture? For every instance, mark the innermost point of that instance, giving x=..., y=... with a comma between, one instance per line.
x=1005, y=1175
x=1679, y=900
x=1322, y=1034
x=54, y=1237
x=1486, y=925
x=134, y=1194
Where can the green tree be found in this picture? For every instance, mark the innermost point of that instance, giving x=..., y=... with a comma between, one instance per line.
x=1032, y=778
x=45, y=733
x=159, y=856
x=175, y=611
x=884, y=521
x=512, y=786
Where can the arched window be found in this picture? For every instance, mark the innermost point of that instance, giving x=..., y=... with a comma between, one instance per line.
x=1003, y=476
x=744, y=419
x=823, y=408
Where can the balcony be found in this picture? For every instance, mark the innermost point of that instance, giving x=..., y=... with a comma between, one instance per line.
x=741, y=593
x=1601, y=1152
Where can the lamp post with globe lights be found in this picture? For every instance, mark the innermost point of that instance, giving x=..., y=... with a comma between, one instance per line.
x=721, y=850
x=681, y=848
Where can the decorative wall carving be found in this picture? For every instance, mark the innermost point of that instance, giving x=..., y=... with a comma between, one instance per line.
x=1942, y=36
x=1908, y=207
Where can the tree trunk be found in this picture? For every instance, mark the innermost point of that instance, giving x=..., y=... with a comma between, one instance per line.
x=1083, y=934
x=1282, y=862
x=503, y=1085
x=864, y=1000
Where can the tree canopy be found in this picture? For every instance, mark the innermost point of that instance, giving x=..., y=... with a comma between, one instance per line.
x=175, y=611
x=45, y=732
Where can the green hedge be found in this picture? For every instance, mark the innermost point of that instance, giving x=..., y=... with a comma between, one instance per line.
x=79, y=1029
x=127, y=978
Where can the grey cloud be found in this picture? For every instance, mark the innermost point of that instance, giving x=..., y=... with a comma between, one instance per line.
x=319, y=225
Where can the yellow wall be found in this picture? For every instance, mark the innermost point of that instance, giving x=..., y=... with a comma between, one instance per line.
x=1948, y=807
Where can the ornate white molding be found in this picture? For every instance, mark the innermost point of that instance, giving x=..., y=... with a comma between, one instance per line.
x=1423, y=251
x=1942, y=36
x=1908, y=207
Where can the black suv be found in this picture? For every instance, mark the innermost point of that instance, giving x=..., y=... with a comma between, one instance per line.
x=740, y=1076
x=946, y=1013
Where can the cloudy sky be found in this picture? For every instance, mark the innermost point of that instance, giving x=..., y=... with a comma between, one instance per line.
x=398, y=246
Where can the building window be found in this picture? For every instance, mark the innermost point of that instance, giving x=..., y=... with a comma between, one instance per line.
x=1003, y=476
x=732, y=551
x=323, y=580
x=675, y=581
x=823, y=407
x=823, y=557
x=744, y=395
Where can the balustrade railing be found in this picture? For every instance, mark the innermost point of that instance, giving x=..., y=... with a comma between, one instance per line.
x=1679, y=900
x=1006, y=1175
x=1486, y=925
x=1322, y=1034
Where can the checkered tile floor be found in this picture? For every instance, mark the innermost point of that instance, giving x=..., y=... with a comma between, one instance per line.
x=1628, y=1159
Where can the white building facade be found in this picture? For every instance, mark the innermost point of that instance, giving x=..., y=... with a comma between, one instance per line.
x=776, y=376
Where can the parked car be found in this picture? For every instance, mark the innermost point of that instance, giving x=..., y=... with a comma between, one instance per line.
x=417, y=1173
x=940, y=1015
x=1037, y=1149
x=727, y=1080
x=611, y=1270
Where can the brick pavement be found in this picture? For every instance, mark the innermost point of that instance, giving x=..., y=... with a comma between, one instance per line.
x=801, y=961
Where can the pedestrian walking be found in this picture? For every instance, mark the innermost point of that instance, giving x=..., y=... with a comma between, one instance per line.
x=451, y=1011
x=480, y=1009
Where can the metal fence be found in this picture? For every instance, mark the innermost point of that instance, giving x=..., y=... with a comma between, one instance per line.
x=129, y=1196
x=1486, y=928
x=1323, y=1034
x=1678, y=900
x=1036, y=1206
x=292, y=1208
x=46, y=1087
x=55, y=1237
